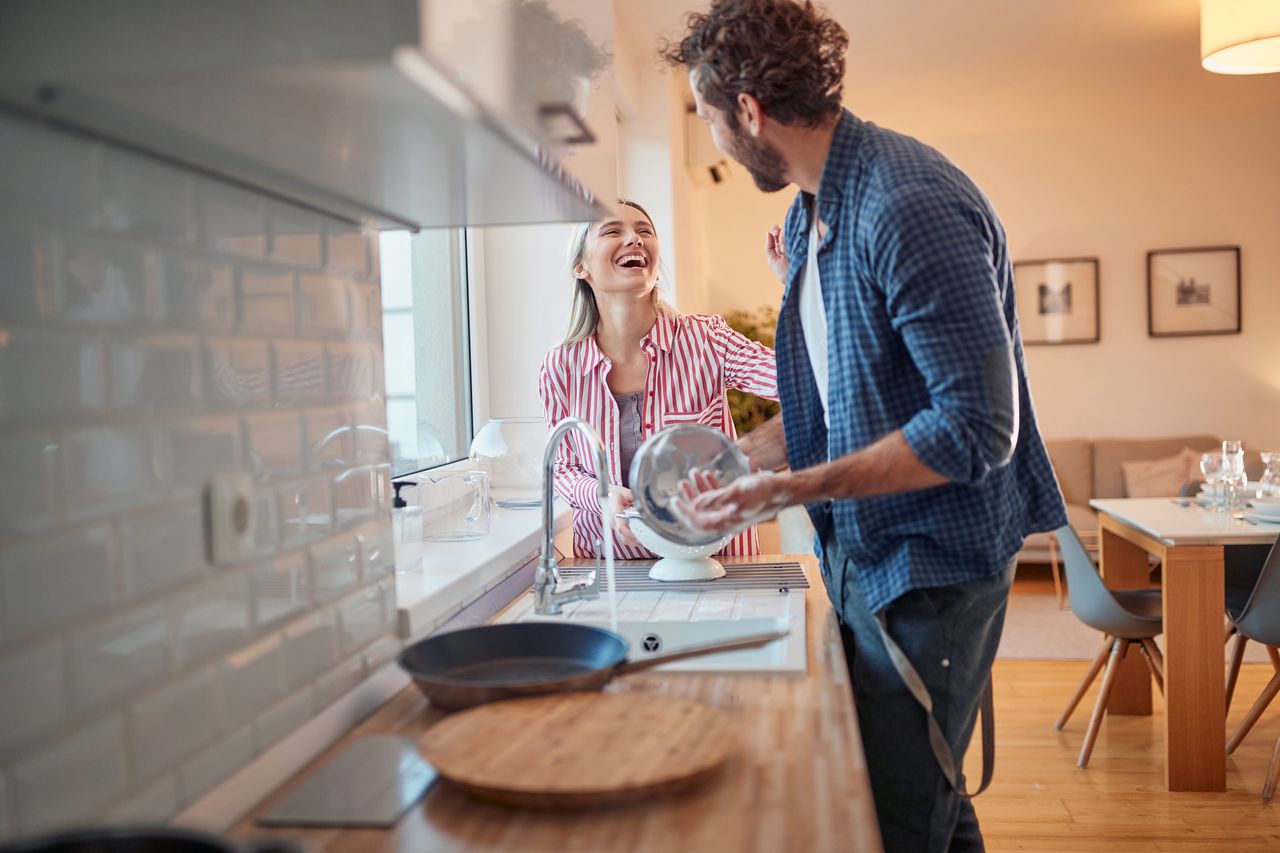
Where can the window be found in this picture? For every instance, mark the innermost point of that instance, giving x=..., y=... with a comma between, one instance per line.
x=424, y=332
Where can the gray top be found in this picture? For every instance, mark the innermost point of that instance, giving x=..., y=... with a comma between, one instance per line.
x=629, y=437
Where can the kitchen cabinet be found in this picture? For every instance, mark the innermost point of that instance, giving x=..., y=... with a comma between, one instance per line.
x=338, y=105
x=545, y=67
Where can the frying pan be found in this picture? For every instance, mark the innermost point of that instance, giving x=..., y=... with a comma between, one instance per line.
x=473, y=666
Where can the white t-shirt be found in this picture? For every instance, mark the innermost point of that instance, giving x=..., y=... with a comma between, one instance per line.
x=813, y=319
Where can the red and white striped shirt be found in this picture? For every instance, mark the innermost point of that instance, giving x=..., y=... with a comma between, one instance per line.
x=692, y=360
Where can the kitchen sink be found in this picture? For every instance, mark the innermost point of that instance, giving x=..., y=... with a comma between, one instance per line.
x=655, y=622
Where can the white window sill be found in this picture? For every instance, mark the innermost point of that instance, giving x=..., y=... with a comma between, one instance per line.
x=435, y=580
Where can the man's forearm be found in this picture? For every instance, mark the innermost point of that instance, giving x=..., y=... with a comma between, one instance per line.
x=886, y=467
x=766, y=446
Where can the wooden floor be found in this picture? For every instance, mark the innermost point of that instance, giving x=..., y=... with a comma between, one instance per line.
x=1040, y=800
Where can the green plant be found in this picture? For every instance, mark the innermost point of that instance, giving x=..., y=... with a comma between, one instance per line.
x=748, y=410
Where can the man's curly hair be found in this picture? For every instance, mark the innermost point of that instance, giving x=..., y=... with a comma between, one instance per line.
x=786, y=54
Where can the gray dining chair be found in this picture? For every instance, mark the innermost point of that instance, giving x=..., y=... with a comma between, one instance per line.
x=1126, y=617
x=1242, y=567
x=1260, y=621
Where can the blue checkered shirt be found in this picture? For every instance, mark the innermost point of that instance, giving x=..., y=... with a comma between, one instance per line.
x=922, y=336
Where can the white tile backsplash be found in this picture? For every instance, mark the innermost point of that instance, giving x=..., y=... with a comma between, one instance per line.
x=28, y=460
x=109, y=470
x=50, y=376
x=282, y=719
x=100, y=281
x=296, y=235
x=280, y=589
x=154, y=804
x=158, y=373
x=306, y=510
x=111, y=660
x=158, y=744
x=361, y=618
x=325, y=307
x=214, y=763
x=253, y=679
x=274, y=445
x=345, y=248
x=212, y=618
x=230, y=220
x=158, y=327
x=335, y=567
x=338, y=681
x=237, y=373
x=268, y=300
x=54, y=581
x=301, y=377
x=351, y=373
x=198, y=448
x=194, y=292
x=310, y=647
x=38, y=675
x=159, y=552
x=330, y=439
x=75, y=777
x=25, y=257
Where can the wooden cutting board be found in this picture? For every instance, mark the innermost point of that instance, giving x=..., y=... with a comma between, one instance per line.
x=578, y=750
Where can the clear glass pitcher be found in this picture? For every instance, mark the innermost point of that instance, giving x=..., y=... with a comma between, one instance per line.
x=457, y=506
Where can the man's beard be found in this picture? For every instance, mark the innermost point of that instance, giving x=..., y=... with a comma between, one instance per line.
x=761, y=160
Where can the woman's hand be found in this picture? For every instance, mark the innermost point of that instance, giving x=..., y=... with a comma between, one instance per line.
x=775, y=251
x=624, y=500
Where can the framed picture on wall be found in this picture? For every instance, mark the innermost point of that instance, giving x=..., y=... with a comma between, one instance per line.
x=1058, y=300
x=1193, y=291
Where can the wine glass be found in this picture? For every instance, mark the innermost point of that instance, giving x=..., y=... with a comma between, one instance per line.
x=1269, y=485
x=1234, y=480
x=1211, y=468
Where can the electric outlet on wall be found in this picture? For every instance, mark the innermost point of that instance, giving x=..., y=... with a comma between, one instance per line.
x=229, y=517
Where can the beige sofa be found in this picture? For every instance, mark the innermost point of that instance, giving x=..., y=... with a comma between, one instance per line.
x=1090, y=468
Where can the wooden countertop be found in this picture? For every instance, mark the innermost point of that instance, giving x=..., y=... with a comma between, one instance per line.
x=799, y=782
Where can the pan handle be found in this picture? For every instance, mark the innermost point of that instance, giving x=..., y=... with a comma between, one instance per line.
x=751, y=641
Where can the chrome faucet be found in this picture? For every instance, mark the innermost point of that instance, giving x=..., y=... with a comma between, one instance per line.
x=547, y=598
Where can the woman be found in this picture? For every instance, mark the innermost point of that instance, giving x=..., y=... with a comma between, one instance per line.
x=631, y=365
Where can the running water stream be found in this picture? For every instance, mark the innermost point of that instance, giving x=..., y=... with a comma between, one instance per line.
x=609, y=506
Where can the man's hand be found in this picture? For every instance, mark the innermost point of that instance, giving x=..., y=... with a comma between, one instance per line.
x=775, y=251
x=705, y=505
x=624, y=500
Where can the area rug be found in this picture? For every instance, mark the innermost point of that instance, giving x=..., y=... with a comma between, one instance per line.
x=1035, y=629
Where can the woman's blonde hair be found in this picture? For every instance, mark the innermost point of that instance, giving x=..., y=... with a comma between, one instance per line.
x=584, y=316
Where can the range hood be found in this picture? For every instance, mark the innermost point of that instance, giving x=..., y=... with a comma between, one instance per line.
x=330, y=103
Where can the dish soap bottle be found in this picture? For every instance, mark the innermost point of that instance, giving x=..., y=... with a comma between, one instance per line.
x=406, y=521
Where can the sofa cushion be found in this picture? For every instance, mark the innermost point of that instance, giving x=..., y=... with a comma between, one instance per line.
x=1108, y=453
x=1163, y=477
x=1072, y=460
x=1035, y=549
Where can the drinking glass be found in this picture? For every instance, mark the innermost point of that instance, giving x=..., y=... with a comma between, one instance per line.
x=1234, y=480
x=1211, y=468
x=1269, y=485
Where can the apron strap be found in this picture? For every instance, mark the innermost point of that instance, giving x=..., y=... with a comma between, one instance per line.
x=937, y=741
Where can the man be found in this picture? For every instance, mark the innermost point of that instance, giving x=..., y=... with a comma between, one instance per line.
x=909, y=429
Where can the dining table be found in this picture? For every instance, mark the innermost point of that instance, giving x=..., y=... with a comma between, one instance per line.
x=1190, y=541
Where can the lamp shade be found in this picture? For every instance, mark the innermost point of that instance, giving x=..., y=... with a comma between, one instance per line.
x=1240, y=36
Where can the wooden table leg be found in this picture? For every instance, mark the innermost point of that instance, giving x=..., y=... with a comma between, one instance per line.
x=1124, y=566
x=1195, y=705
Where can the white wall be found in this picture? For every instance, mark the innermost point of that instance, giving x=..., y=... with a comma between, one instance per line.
x=1113, y=182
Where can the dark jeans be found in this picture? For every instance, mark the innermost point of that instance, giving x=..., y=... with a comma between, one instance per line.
x=950, y=635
